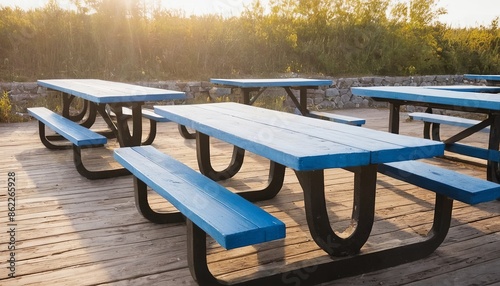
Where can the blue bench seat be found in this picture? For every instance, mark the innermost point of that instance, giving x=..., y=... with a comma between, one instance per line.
x=455, y=185
x=432, y=130
x=445, y=119
x=72, y=131
x=146, y=113
x=337, y=118
x=153, y=119
x=79, y=137
x=228, y=218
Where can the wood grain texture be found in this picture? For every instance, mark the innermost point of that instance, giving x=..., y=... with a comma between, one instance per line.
x=228, y=218
x=74, y=231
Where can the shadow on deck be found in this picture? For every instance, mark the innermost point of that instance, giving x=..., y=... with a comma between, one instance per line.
x=73, y=231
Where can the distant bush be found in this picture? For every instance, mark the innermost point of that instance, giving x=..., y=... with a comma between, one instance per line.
x=130, y=41
x=5, y=107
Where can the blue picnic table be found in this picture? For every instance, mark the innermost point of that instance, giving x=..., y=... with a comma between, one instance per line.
x=259, y=85
x=485, y=103
x=108, y=99
x=467, y=88
x=490, y=78
x=309, y=147
x=100, y=94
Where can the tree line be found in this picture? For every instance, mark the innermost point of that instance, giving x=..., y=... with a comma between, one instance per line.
x=131, y=40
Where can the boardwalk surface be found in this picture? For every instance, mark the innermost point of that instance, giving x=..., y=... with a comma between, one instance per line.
x=74, y=231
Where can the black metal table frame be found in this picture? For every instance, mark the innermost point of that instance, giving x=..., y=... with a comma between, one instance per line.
x=248, y=99
x=492, y=120
x=118, y=128
x=347, y=259
x=301, y=103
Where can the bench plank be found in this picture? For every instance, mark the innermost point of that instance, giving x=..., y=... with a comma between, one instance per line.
x=468, y=88
x=411, y=94
x=473, y=151
x=228, y=218
x=319, y=145
x=338, y=118
x=78, y=135
x=100, y=91
x=445, y=119
x=146, y=113
x=72, y=131
x=452, y=184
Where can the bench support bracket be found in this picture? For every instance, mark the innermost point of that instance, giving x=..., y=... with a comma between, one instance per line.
x=95, y=175
x=432, y=131
x=357, y=234
x=80, y=116
x=276, y=171
x=142, y=204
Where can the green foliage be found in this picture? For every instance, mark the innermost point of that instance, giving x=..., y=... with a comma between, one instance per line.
x=135, y=40
x=5, y=107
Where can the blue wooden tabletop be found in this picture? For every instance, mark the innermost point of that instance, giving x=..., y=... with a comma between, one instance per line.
x=492, y=77
x=469, y=88
x=299, y=142
x=100, y=91
x=475, y=100
x=272, y=82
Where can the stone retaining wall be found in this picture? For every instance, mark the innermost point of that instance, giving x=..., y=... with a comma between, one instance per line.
x=337, y=96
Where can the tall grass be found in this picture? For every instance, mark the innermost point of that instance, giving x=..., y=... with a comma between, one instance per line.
x=130, y=41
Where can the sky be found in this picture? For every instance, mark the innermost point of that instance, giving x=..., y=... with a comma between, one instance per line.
x=461, y=13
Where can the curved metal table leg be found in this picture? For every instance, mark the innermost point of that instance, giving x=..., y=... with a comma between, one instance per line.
x=338, y=267
x=95, y=175
x=125, y=137
x=276, y=171
x=275, y=183
x=312, y=183
x=185, y=133
x=435, y=132
x=92, y=114
x=120, y=128
x=142, y=205
x=88, y=107
x=81, y=114
x=205, y=164
x=152, y=133
x=493, y=168
x=48, y=142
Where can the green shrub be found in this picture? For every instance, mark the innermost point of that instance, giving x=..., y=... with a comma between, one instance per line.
x=5, y=107
x=128, y=41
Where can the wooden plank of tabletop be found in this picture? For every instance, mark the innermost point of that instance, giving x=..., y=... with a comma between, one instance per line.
x=486, y=101
x=100, y=91
x=277, y=82
x=491, y=77
x=467, y=88
x=299, y=142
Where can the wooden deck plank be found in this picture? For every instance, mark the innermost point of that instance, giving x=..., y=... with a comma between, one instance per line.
x=73, y=231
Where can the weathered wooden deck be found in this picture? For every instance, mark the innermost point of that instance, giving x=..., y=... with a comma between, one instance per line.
x=73, y=231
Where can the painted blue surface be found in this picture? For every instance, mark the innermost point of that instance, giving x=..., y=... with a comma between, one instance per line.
x=146, y=113
x=337, y=118
x=227, y=217
x=299, y=142
x=492, y=77
x=446, y=119
x=455, y=185
x=473, y=151
x=485, y=101
x=276, y=82
x=100, y=91
x=468, y=88
x=76, y=134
